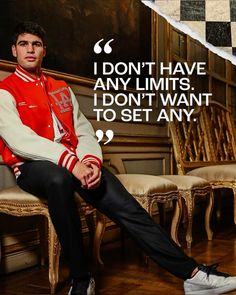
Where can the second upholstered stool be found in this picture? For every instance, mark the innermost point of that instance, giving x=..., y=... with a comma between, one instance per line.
x=150, y=189
x=191, y=187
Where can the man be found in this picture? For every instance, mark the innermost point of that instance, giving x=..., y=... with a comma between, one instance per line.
x=53, y=152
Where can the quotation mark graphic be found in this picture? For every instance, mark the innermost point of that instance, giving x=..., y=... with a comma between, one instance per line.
x=100, y=134
x=107, y=48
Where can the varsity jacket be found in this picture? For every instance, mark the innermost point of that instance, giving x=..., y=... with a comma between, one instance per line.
x=26, y=123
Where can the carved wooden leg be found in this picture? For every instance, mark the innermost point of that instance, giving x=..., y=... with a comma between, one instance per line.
x=189, y=201
x=208, y=213
x=99, y=232
x=176, y=220
x=53, y=256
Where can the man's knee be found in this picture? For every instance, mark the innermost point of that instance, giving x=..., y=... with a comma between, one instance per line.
x=60, y=188
x=59, y=178
x=53, y=177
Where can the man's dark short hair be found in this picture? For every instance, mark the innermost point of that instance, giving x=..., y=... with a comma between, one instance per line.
x=30, y=28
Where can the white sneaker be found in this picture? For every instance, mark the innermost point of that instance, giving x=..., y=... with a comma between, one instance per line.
x=209, y=281
x=83, y=288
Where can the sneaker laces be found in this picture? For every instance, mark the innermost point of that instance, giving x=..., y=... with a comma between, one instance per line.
x=212, y=269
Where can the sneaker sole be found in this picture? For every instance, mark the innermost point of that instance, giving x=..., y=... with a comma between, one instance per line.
x=90, y=292
x=217, y=291
x=69, y=293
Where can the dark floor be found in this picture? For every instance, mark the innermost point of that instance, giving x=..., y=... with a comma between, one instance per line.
x=126, y=273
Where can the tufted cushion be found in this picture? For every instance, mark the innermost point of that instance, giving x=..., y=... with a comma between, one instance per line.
x=16, y=194
x=146, y=185
x=216, y=172
x=187, y=182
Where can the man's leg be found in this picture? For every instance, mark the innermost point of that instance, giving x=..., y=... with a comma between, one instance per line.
x=47, y=180
x=112, y=199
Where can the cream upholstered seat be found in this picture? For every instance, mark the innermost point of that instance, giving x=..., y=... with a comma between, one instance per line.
x=221, y=173
x=16, y=202
x=219, y=176
x=191, y=187
x=150, y=189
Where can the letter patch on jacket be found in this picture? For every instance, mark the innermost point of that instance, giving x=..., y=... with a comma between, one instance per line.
x=62, y=99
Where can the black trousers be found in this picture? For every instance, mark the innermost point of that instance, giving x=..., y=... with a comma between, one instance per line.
x=47, y=180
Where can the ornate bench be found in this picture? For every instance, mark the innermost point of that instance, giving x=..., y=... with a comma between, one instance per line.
x=205, y=147
x=149, y=189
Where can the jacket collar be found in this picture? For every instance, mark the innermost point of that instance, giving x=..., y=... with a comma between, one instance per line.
x=27, y=77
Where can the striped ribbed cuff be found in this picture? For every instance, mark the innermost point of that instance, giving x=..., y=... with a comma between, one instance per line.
x=16, y=169
x=68, y=160
x=92, y=159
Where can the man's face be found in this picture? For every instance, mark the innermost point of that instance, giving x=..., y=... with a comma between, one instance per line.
x=29, y=52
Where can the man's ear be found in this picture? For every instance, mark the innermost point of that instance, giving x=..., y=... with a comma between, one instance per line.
x=13, y=50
